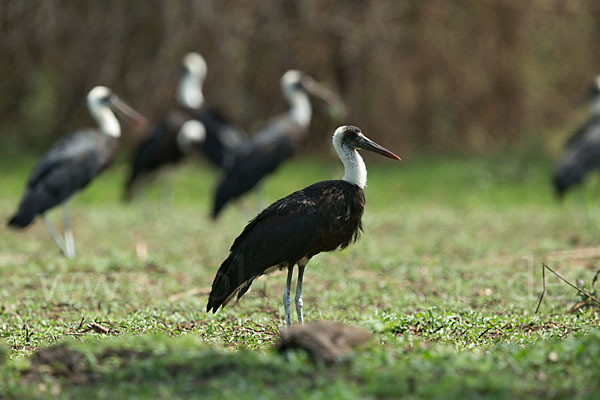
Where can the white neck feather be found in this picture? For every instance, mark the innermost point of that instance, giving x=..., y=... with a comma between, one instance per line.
x=355, y=170
x=107, y=121
x=301, y=109
x=189, y=92
x=191, y=132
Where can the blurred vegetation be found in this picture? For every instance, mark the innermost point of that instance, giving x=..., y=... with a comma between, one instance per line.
x=157, y=366
x=467, y=75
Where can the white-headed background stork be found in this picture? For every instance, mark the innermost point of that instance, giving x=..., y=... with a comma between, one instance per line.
x=582, y=151
x=276, y=142
x=321, y=217
x=171, y=139
x=71, y=164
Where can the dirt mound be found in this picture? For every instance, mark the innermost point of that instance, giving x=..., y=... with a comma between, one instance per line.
x=323, y=341
x=59, y=362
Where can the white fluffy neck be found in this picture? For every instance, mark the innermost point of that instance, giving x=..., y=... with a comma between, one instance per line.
x=189, y=92
x=355, y=170
x=300, y=108
x=191, y=132
x=107, y=121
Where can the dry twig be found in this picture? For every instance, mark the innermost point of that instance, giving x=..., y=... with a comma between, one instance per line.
x=80, y=324
x=562, y=278
x=99, y=328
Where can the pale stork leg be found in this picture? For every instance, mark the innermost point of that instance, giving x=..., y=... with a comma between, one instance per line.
x=301, y=266
x=69, y=241
x=55, y=235
x=287, y=301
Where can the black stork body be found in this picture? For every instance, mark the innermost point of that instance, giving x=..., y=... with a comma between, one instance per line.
x=171, y=139
x=582, y=151
x=276, y=142
x=322, y=217
x=71, y=164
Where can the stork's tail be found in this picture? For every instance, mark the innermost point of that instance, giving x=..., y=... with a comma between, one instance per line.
x=27, y=211
x=228, y=282
x=567, y=176
x=220, y=201
x=217, y=207
x=228, y=189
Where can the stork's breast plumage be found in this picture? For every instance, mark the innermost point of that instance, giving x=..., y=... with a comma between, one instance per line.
x=340, y=208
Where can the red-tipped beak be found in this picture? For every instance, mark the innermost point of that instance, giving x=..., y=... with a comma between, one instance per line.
x=367, y=144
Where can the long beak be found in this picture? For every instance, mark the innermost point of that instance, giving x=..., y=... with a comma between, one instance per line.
x=335, y=105
x=367, y=144
x=126, y=110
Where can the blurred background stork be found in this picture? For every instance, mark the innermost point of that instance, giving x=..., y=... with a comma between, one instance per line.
x=470, y=76
x=276, y=142
x=71, y=164
x=190, y=126
x=581, y=154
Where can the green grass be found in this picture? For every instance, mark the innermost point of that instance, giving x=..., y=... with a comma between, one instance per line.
x=446, y=275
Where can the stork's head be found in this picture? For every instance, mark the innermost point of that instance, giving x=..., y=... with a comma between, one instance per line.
x=346, y=140
x=294, y=82
x=349, y=138
x=194, y=64
x=101, y=100
x=99, y=97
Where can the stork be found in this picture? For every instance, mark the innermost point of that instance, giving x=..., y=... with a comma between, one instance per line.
x=582, y=151
x=71, y=164
x=276, y=142
x=168, y=143
x=321, y=217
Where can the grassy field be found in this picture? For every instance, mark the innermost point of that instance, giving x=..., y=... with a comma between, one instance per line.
x=446, y=275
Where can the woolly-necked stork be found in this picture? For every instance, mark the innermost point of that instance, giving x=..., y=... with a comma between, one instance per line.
x=72, y=163
x=582, y=151
x=276, y=142
x=322, y=217
x=171, y=139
